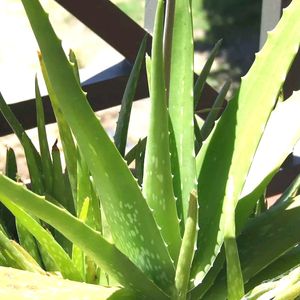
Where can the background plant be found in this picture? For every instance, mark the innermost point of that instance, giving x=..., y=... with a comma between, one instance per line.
x=185, y=196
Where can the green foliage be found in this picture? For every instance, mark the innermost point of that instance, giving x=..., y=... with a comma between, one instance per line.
x=181, y=226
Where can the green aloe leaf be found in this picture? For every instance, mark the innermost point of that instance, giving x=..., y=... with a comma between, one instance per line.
x=283, y=264
x=236, y=136
x=7, y=219
x=291, y=192
x=139, y=162
x=88, y=210
x=200, y=290
x=35, y=172
x=83, y=183
x=109, y=258
x=13, y=255
x=181, y=107
x=135, y=151
x=74, y=63
x=280, y=135
x=58, y=177
x=44, y=147
x=37, y=185
x=77, y=254
x=130, y=219
x=54, y=250
x=278, y=227
x=157, y=184
x=287, y=287
x=17, y=284
x=65, y=133
x=18, y=129
x=187, y=249
x=214, y=112
x=11, y=169
x=284, y=124
x=120, y=137
x=28, y=242
x=199, y=85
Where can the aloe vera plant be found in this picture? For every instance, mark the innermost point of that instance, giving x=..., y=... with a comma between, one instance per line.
x=184, y=228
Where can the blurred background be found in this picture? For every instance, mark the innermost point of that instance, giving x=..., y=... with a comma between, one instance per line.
x=237, y=22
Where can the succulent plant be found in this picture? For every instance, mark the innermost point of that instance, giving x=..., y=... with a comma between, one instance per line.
x=186, y=226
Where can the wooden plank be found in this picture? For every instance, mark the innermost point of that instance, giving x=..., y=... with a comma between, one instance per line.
x=110, y=23
x=101, y=95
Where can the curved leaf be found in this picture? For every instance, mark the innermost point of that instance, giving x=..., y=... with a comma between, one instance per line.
x=90, y=241
x=130, y=219
x=157, y=184
x=236, y=137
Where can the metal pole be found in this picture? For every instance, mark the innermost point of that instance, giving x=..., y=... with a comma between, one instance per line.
x=150, y=9
x=271, y=12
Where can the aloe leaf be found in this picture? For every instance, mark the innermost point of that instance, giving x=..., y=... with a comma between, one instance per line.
x=77, y=253
x=3, y=261
x=214, y=112
x=28, y=257
x=181, y=107
x=167, y=41
x=11, y=169
x=37, y=184
x=270, y=154
x=237, y=135
x=148, y=71
x=109, y=258
x=7, y=219
x=285, y=288
x=139, y=163
x=10, y=118
x=235, y=282
x=157, y=185
x=44, y=147
x=58, y=177
x=120, y=137
x=291, y=191
x=17, y=127
x=74, y=63
x=199, y=85
x=198, y=123
x=28, y=242
x=284, y=124
x=200, y=290
x=135, y=151
x=243, y=210
x=83, y=183
x=208, y=125
x=61, y=186
x=16, y=283
x=187, y=249
x=65, y=133
x=8, y=248
x=277, y=227
x=130, y=219
x=54, y=250
x=283, y=264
